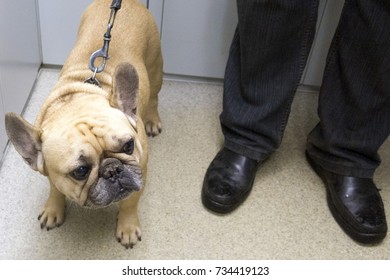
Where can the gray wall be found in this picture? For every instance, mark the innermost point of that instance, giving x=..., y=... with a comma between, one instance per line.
x=19, y=57
x=59, y=21
x=195, y=35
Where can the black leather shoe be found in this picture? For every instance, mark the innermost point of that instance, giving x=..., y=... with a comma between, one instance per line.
x=356, y=205
x=228, y=181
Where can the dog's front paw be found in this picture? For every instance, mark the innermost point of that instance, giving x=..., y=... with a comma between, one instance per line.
x=53, y=214
x=128, y=231
x=52, y=217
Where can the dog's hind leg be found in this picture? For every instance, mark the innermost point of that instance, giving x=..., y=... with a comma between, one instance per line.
x=154, y=65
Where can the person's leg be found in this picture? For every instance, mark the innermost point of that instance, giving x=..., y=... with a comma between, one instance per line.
x=266, y=60
x=267, y=57
x=354, y=111
x=354, y=105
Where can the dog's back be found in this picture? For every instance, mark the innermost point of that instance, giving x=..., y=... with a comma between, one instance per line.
x=134, y=39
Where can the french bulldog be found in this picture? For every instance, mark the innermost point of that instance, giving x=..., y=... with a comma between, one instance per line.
x=91, y=141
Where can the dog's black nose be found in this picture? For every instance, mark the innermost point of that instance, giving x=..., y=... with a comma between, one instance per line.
x=111, y=169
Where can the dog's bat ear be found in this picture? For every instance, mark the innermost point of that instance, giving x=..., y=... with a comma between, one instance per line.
x=126, y=86
x=26, y=140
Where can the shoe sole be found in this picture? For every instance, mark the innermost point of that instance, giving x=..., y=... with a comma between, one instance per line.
x=361, y=237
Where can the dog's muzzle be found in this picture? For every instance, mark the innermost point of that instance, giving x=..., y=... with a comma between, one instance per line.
x=116, y=182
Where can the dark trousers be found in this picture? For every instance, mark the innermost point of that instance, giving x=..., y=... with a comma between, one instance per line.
x=267, y=57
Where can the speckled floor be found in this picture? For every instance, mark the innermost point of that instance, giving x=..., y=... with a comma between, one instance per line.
x=285, y=217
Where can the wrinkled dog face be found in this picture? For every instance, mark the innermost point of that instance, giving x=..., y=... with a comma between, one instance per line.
x=90, y=150
x=101, y=154
x=100, y=146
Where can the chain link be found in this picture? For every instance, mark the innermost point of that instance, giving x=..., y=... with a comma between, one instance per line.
x=103, y=52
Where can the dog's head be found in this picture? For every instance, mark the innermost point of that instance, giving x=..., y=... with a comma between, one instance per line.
x=90, y=150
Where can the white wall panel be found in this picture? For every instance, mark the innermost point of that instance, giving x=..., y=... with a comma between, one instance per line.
x=59, y=22
x=19, y=56
x=196, y=36
x=328, y=21
x=3, y=137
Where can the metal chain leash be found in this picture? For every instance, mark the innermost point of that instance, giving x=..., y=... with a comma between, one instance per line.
x=103, y=52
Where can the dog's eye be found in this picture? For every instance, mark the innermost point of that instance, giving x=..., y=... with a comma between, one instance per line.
x=80, y=173
x=128, y=148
